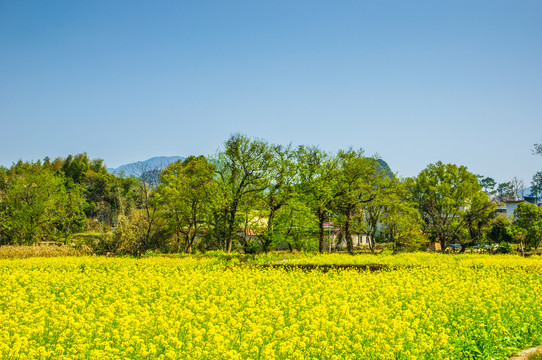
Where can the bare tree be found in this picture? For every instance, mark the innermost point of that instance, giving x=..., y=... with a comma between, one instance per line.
x=148, y=177
x=517, y=188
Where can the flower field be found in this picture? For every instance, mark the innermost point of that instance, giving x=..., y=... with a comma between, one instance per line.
x=435, y=307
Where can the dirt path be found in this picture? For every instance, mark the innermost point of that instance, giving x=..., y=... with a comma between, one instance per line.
x=524, y=355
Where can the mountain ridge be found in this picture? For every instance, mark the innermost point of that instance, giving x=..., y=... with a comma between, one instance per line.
x=136, y=167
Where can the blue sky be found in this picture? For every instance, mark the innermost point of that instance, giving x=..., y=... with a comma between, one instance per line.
x=414, y=81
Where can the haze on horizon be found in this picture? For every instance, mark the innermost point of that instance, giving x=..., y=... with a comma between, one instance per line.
x=416, y=82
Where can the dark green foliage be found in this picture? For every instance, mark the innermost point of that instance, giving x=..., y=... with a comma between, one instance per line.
x=505, y=248
x=500, y=230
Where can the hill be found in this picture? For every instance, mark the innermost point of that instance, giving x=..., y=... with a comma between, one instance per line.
x=136, y=167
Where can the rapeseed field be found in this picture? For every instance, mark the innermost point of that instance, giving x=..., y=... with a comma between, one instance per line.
x=427, y=306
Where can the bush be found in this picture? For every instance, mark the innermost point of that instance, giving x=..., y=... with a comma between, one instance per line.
x=505, y=248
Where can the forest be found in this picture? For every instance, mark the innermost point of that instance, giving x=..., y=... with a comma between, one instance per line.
x=254, y=196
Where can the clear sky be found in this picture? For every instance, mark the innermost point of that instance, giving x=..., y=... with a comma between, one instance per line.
x=414, y=81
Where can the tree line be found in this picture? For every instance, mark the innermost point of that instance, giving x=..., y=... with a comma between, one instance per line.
x=254, y=196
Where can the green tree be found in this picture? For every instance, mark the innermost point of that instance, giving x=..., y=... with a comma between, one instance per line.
x=505, y=192
x=148, y=178
x=536, y=185
x=528, y=224
x=500, y=230
x=444, y=193
x=241, y=172
x=281, y=177
x=317, y=171
x=387, y=197
x=401, y=221
x=296, y=224
x=184, y=196
x=478, y=218
x=359, y=182
x=488, y=185
x=34, y=203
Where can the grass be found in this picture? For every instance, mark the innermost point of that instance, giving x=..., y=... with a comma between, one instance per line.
x=47, y=250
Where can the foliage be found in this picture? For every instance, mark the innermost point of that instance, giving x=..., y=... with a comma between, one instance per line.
x=505, y=248
x=528, y=223
x=241, y=172
x=488, y=185
x=401, y=220
x=536, y=185
x=448, y=198
x=296, y=225
x=251, y=196
x=359, y=183
x=500, y=230
x=35, y=205
x=184, y=197
x=281, y=177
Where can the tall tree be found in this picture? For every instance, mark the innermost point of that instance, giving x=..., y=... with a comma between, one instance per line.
x=536, y=185
x=443, y=194
x=528, y=223
x=500, y=230
x=488, y=185
x=34, y=203
x=359, y=182
x=241, y=171
x=517, y=188
x=281, y=177
x=317, y=172
x=504, y=192
x=478, y=218
x=184, y=196
x=148, y=180
x=296, y=224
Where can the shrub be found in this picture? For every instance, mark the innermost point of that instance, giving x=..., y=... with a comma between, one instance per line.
x=505, y=248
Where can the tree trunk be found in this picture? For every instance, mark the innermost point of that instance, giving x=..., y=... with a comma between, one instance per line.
x=321, y=219
x=268, y=240
x=347, y=234
x=231, y=229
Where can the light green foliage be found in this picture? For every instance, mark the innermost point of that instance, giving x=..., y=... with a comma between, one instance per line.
x=446, y=196
x=401, y=220
x=184, y=197
x=478, y=216
x=528, y=224
x=280, y=178
x=35, y=204
x=296, y=225
x=241, y=173
x=359, y=182
x=318, y=173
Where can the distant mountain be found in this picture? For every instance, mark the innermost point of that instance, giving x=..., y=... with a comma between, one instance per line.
x=384, y=165
x=137, y=167
x=163, y=161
